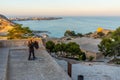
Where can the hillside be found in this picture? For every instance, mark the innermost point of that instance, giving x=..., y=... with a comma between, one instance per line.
x=5, y=25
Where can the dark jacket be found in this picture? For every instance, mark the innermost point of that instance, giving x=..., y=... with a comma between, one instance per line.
x=31, y=46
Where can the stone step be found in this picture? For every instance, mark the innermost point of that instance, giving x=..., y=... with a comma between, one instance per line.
x=3, y=63
x=43, y=68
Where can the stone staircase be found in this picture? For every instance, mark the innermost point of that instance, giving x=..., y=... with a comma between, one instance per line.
x=15, y=66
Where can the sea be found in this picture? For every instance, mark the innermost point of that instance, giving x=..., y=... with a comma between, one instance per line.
x=82, y=25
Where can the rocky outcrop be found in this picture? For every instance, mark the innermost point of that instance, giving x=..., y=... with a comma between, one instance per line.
x=103, y=33
x=5, y=25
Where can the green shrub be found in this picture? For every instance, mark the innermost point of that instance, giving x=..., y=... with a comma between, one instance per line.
x=101, y=34
x=90, y=58
x=89, y=33
x=50, y=46
x=118, y=63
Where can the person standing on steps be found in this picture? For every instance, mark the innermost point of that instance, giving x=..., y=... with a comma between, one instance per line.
x=31, y=50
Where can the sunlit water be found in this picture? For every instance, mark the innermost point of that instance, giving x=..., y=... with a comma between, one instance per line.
x=78, y=24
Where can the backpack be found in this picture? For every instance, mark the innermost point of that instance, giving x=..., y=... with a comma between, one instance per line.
x=36, y=45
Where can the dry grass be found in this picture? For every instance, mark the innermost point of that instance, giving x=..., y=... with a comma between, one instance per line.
x=6, y=29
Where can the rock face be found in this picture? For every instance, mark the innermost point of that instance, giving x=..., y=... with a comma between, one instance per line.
x=101, y=34
x=5, y=25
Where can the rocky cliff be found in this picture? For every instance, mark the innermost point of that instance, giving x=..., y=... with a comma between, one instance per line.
x=5, y=25
x=101, y=34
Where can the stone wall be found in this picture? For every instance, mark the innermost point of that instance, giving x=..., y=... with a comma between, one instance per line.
x=13, y=43
x=16, y=43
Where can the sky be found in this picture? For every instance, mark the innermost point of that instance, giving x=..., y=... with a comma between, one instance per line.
x=60, y=7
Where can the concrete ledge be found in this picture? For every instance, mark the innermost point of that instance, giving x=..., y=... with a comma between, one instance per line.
x=13, y=43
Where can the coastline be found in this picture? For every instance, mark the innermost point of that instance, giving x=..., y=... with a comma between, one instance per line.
x=34, y=18
x=78, y=24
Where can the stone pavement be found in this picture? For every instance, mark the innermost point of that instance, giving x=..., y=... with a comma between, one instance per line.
x=15, y=66
x=3, y=63
x=43, y=68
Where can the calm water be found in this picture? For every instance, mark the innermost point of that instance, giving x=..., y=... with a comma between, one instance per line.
x=78, y=24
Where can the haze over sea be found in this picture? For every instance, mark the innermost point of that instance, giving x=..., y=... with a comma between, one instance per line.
x=77, y=24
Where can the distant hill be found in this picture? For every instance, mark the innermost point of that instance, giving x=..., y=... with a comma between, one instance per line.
x=5, y=25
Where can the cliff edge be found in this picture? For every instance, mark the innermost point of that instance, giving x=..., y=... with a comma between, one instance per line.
x=5, y=25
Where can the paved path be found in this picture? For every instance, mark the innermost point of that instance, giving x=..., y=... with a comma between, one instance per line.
x=3, y=62
x=43, y=68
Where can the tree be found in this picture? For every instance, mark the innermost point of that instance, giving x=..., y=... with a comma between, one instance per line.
x=19, y=32
x=70, y=49
x=73, y=48
x=63, y=49
x=82, y=56
x=116, y=33
x=89, y=33
x=50, y=46
x=115, y=46
x=110, y=46
x=58, y=49
x=69, y=33
x=80, y=34
x=73, y=34
x=105, y=47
